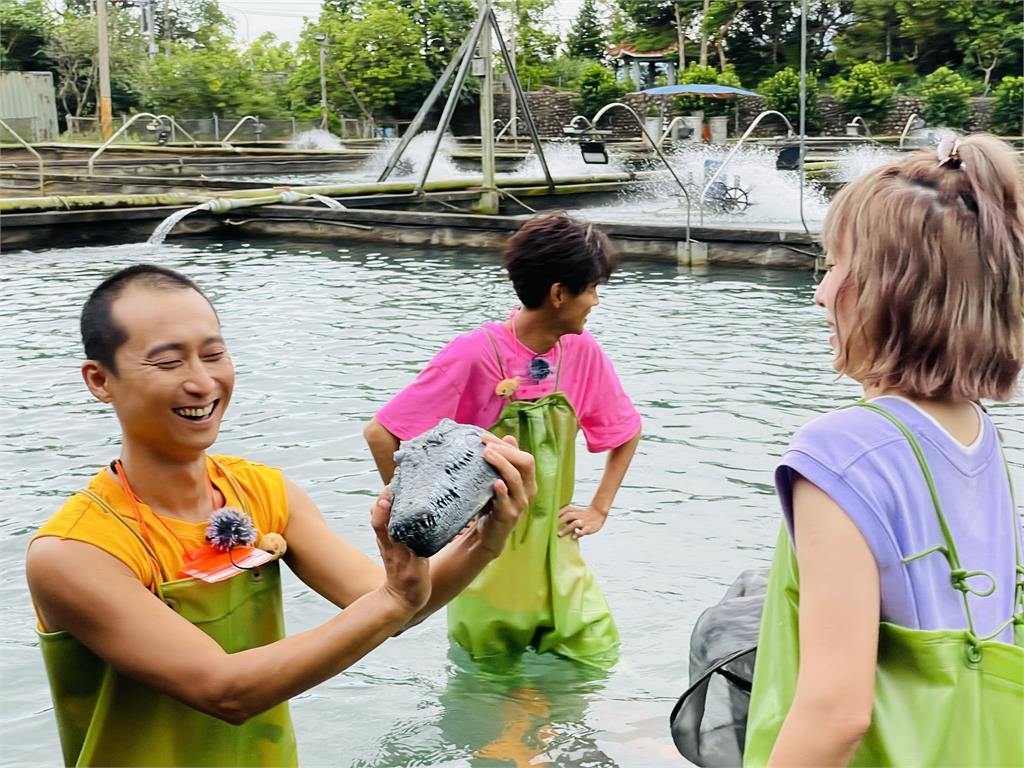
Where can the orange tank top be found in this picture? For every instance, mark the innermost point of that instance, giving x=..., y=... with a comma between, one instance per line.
x=82, y=519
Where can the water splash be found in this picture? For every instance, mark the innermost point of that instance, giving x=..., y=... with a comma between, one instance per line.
x=773, y=195
x=415, y=158
x=564, y=159
x=856, y=161
x=316, y=138
x=164, y=227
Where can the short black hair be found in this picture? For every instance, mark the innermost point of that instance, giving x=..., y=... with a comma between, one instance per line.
x=101, y=335
x=556, y=248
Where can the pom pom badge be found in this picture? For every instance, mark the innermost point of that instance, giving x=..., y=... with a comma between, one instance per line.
x=229, y=528
x=228, y=551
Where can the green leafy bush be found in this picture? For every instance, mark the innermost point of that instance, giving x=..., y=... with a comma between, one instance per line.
x=1008, y=107
x=598, y=87
x=866, y=92
x=696, y=74
x=947, y=98
x=781, y=92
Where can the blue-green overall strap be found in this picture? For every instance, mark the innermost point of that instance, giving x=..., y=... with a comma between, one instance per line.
x=958, y=575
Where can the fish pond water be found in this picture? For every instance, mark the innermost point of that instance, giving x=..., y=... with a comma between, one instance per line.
x=723, y=364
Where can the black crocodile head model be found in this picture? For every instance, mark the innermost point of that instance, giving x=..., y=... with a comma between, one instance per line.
x=441, y=482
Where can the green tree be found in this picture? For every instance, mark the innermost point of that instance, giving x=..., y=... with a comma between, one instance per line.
x=696, y=74
x=442, y=24
x=73, y=48
x=1008, y=109
x=271, y=62
x=866, y=92
x=597, y=87
x=989, y=33
x=872, y=34
x=198, y=82
x=25, y=26
x=947, y=98
x=781, y=92
x=193, y=23
x=374, y=60
x=587, y=38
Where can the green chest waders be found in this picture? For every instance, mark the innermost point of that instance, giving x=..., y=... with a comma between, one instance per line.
x=538, y=592
x=942, y=697
x=106, y=718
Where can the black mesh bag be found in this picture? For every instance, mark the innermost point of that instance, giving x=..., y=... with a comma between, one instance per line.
x=709, y=721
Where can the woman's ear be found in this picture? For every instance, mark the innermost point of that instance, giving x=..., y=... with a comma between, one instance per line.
x=97, y=379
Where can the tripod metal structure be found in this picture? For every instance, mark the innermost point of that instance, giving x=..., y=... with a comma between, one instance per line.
x=486, y=23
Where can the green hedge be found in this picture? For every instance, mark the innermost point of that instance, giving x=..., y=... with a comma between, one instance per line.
x=866, y=92
x=947, y=99
x=1009, y=104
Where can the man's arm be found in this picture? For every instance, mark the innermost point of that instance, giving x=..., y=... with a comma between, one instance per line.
x=383, y=445
x=839, y=615
x=582, y=521
x=114, y=615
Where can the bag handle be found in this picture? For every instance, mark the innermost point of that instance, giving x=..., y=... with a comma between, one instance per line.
x=959, y=576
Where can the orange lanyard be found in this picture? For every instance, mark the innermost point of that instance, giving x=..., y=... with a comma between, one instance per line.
x=140, y=518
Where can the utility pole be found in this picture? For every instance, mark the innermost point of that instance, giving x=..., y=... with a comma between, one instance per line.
x=149, y=20
x=322, y=39
x=513, y=110
x=680, y=40
x=106, y=116
x=704, y=34
x=167, y=27
x=489, y=198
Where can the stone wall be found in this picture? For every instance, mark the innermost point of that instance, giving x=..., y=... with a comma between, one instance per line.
x=552, y=109
x=833, y=121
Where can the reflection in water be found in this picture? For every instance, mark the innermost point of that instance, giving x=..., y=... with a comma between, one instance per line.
x=524, y=711
x=512, y=711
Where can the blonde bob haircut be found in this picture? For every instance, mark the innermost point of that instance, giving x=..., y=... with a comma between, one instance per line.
x=936, y=251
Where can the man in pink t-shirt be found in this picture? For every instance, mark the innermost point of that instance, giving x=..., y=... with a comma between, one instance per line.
x=540, y=365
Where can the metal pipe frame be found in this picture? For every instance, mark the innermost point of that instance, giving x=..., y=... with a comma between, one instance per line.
x=514, y=120
x=746, y=133
x=640, y=123
x=672, y=124
x=517, y=89
x=123, y=128
x=421, y=115
x=859, y=119
x=225, y=141
x=31, y=149
x=453, y=96
x=906, y=128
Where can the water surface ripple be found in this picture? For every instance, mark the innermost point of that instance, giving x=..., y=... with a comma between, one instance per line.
x=724, y=366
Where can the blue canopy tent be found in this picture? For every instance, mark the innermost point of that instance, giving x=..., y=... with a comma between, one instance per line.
x=699, y=89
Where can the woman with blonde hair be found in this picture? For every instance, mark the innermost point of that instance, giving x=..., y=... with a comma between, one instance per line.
x=893, y=630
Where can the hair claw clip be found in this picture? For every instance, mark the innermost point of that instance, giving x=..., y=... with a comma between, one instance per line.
x=948, y=151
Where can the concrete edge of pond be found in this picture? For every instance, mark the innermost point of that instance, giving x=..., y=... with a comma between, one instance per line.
x=776, y=247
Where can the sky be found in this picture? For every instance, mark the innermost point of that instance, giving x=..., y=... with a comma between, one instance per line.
x=284, y=19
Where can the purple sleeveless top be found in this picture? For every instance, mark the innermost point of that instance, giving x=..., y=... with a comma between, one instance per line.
x=865, y=464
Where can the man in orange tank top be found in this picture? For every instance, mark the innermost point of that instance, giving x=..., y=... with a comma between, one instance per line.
x=99, y=568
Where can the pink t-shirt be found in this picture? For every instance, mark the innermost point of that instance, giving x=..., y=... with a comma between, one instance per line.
x=459, y=384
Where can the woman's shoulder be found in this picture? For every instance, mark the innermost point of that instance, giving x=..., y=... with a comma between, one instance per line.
x=844, y=434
